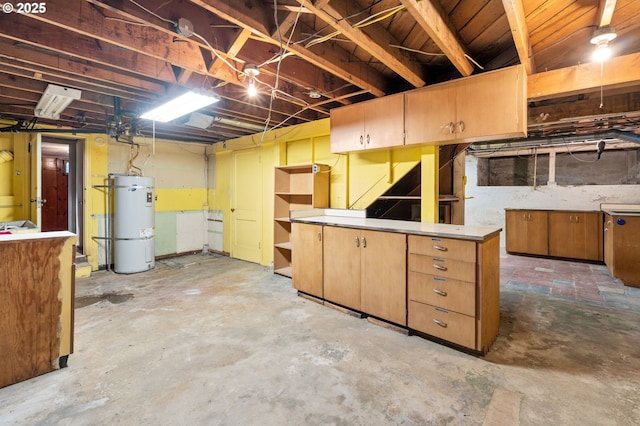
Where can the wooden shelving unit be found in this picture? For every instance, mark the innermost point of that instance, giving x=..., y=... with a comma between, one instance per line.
x=296, y=188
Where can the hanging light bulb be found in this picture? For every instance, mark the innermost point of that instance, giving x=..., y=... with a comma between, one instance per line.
x=602, y=52
x=601, y=38
x=251, y=90
x=251, y=71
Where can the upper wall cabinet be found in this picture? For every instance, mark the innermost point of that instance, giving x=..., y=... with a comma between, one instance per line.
x=378, y=123
x=487, y=106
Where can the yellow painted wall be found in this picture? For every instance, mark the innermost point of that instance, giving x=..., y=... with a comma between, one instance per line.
x=357, y=179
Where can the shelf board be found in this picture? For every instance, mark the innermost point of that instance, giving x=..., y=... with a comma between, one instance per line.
x=400, y=197
x=448, y=197
x=296, y=194
x=282, y=219
x=285, y=246
x=287, y=271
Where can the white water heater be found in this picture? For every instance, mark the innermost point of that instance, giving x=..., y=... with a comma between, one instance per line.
x=133, y=224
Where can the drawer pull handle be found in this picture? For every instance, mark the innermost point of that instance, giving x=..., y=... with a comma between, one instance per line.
x=357, y=242
x=440, y=292
x=440, y=248
x=440, y=323
x=442, y=268
x=364, y=242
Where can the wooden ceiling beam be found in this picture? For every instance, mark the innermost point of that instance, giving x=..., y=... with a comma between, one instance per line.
x=518, y=24
x=26, y=30
x=63, y=65
x=373, y=39
x=616, y=72
x=83, y=18
x=605, y=12
x=17, y=68
x=434, y=22
x=252, y=15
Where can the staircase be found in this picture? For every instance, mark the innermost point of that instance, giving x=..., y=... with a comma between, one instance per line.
x=83, y=269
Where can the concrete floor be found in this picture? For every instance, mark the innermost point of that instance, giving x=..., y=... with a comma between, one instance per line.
x=217, y=341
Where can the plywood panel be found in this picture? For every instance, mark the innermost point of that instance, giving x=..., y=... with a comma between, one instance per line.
x=31, y=311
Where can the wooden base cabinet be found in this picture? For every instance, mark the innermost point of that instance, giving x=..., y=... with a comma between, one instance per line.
x=307, y=260
x=559, y=233
x=622, y=248
x=454, y=290
x=576, y=235
x=527, y=231
x=37, y=286
x=366, y=271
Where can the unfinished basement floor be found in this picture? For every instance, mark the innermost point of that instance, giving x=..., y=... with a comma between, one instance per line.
x=209, y=340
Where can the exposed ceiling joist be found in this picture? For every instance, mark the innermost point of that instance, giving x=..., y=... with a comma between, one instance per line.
x=434, y=22
x=517, y=22
x=605, y=12
x=251, y=15
x=373, y=39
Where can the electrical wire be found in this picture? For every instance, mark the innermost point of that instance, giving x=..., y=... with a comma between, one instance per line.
x=153, y=13
x=376, y=17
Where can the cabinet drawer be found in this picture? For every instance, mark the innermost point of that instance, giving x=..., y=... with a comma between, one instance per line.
x=450, y=294
x=443, y=247
x=448, y=325
x=443, y=267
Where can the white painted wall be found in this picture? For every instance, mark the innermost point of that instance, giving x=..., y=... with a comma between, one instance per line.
x=484, y=205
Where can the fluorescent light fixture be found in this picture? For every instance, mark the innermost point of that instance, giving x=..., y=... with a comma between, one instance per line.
x=54, y=100
x=236, y=123
x=204, y=121
x=182, y=105
x=199, y=120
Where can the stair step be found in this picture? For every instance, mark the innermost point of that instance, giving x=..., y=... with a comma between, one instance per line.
x=83, y=269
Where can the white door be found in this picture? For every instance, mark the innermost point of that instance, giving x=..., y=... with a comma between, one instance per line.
x=246, y=206
x=35, y=196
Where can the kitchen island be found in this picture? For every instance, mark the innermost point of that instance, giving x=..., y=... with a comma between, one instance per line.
x=438, y=280
x=36, y=317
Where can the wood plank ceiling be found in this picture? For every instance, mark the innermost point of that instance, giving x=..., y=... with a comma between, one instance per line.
x=313, y=55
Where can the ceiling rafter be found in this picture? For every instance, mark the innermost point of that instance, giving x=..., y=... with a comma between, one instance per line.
x=435, y=23
x=518, y=24
x=374, y=40
x=605, y=12
x=252, y=15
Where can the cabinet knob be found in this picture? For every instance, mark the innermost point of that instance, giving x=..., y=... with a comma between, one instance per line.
x=440, y=323
x=357, y=242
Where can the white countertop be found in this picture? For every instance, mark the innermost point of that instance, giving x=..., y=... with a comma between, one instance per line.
x=35, y=236
x=477, y=233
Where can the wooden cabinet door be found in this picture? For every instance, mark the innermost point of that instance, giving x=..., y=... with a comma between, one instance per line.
x=430, y=115
x=342, y=266
x=384, y=122
x=347, y=128
x=626, y=249
x=608, y=242
x=384, y=272
x=491, y=105
x=306, y=258
x=527, y=232
x=576, y=235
